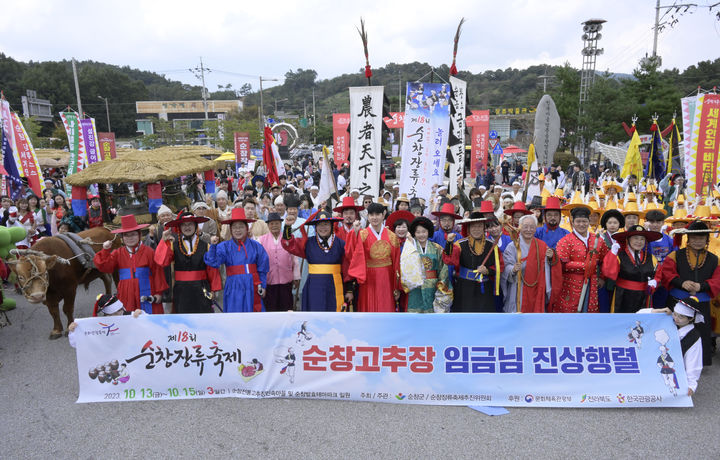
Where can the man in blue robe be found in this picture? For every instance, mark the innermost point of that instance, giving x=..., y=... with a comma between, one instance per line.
x=246, y=264
x=661, y=248
x=550, y=232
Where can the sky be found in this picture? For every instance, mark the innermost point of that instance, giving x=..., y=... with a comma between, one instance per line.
x=241, y=40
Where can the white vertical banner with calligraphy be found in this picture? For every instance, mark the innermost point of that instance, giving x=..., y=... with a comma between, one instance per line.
x=366, y=138
x=457, y=132
x=427, y=125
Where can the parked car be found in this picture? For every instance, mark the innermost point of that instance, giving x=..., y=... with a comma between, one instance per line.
x=388, y=165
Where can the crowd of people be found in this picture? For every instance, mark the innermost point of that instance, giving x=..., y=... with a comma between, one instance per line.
x=587, y=243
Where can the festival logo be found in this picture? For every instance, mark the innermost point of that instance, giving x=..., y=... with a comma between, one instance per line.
x=104, y=330
x=529, y=398
x=621, y=398
x=400, y=396
x=584, y=397
x=109, y=372
x=250, y=370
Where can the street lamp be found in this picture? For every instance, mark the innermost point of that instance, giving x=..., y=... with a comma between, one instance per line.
x=260, y=109
x=107, y=111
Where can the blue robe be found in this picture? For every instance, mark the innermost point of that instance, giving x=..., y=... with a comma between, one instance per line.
x=660, y=249
x=550, y=237
x=440, y=238
x=320, y=293
x=240, y=291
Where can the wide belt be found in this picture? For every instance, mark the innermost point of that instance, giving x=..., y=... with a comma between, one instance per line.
x=334, y=270
x=683, y=294
x=244, y=269
x=430, y=274
x=631, y=285
x=472, y=275
x=142, y=274
x=190, y=275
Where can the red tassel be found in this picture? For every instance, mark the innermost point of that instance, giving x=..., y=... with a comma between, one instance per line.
x=453, y=69
x=654, y=127
x=368, y=71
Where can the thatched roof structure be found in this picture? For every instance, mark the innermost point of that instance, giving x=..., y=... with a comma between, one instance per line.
x=52, y=158
x=145, y=166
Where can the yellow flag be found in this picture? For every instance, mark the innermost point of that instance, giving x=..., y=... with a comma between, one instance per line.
x=531, y=155
x=633, y=161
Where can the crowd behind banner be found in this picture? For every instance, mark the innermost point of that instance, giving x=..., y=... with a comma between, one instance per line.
x=589, y=242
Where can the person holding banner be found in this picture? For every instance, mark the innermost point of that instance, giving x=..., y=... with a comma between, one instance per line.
x=530, y=267
x=580, y=253
x=632, y=267
x=375, y=264
x=327, y=264
x=142, y=280
x=195, y=282
x=246, y=265
x=479, y=265
x=693, y=271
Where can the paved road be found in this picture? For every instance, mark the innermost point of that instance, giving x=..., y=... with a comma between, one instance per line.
x=39, y=386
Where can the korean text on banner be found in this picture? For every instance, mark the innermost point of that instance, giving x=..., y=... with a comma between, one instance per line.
x=425, y=138
x=479, y=121
x=242, y=147
x=568, y=360
x=106, y=141
x=457, y=132
x=706, y=143
x=72, y=129
x=366, y=119
x=90, y=140
x=689, y=107
x=28, y=160
x=341, y=138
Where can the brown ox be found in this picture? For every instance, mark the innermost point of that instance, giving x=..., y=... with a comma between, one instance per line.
x=48, y=273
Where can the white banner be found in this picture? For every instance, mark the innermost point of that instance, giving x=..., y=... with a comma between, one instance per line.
x=366, y=119
x=427, y=125
x=570, y=360
x=457, y=129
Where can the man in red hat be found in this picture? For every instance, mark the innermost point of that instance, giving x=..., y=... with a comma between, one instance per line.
x=195, y=282
x=516, y=212
x=447, y=217
x=551, y=232
x=142, y=280
x=246, y=265
x=350, y=212
x=580, y=253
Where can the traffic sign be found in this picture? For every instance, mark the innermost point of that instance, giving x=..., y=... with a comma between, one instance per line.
x=493, y=134
x=497, y=150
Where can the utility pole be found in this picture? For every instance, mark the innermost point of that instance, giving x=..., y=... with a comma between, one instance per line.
x=656, y=29
x=107, y=111
x=674, y=18
x=202, y=70
x=545, y=77
x=260, y=108
x=77, y=88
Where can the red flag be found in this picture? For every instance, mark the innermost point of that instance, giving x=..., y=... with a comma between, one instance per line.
x=271, y=176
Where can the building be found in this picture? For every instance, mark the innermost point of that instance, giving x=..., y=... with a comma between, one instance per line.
x=189, y=115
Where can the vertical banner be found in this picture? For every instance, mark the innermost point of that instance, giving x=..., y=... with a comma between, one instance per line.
x=209, y=182
x=706, y=145
x=154, y=193
x=366, y=104
x=341, y=138
x=79, y=200
x=89, y=140
x=28, y=160
x=479, y=121
x=689, y=105
x=427, y=126
x=458, y=101
x=72, y=129
x=106, y=142
x=242, y=147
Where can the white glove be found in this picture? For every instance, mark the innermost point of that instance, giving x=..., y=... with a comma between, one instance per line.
x=652, y=284
x=615, y=248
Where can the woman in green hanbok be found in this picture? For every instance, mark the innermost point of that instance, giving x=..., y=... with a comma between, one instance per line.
x=424, y=276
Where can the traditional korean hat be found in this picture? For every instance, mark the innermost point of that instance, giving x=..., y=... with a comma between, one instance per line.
x=258, y=177
x=560, y=193
x=612, y=184
x=238, y=215
x=576, y=202
x=695, y=227
x=107, y=304
x=690, y=307
x=185, y=216
x=273, y=217
x=447, y=210
x=655, y=215
x=714, y=210
x=421, y=221
x=581, y=211
x=611, y=204
x=544, y=194
x=652, y=205
x=593, y=204
x=403, y=198
x=553, y=204
x=621, y=237
x=129, y=224
x=518, y=206
x=475, y=216
x=651, y=189
x=680, y=215
x=348, y=203
x=322, y=216
x=702, y=212
x=399, y=215
x=536, y=203
x=486, y=207
x=631, y=207
x=612, y=213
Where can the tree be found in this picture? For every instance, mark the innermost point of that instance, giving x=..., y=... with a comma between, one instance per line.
x=566, y=97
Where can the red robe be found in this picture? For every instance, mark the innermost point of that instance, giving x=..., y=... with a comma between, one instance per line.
x=578, y=263
x=348, y=236
x=533, y=289
x=375, y=264
x=108, y=261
